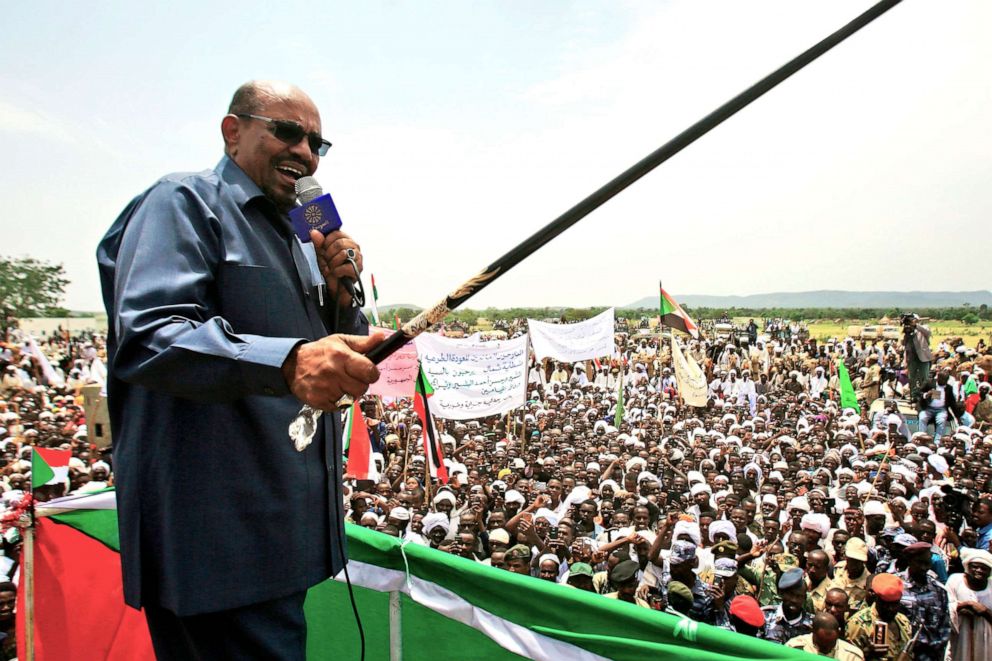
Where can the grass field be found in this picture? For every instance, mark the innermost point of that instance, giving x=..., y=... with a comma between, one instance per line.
x=825, y=329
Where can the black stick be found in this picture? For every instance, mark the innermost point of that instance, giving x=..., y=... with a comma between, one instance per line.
x=433, y=315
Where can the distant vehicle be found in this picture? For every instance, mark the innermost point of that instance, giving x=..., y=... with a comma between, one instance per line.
x=723, y=330
x=870, y=332
x=892, y=332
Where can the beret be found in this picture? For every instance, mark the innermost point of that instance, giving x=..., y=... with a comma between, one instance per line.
x=624, y=571
x=580, y=569
x=917, y=546
x=888, y=587
x=682, y=590
x=747, y=610
x=791, y=578
x=518, y=552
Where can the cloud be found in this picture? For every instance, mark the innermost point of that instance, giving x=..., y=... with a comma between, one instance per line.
x=14, y=119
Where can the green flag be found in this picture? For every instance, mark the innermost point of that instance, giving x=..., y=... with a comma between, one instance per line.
x=618, y=416
x=848, y=398
x=49, y=466
x=672, y=315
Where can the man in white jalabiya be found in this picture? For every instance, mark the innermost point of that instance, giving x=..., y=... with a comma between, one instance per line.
x=970, y=601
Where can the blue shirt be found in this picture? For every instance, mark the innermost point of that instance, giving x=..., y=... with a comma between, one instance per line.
x=207, y=290
x=985, y=537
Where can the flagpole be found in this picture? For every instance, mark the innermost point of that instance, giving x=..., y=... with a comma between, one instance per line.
x=406, y=455
x=29, y=588
x=546, y=234
x=428, y=423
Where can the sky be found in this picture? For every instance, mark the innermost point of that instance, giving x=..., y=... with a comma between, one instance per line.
x=461, y=128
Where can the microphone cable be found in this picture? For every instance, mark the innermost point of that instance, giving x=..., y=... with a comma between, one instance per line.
x=355, y=288
x=339, y=475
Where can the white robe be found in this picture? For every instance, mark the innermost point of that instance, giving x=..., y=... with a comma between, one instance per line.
x=971, y=638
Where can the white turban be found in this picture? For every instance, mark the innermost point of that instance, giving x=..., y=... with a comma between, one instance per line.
x=445, y=495
x=817, y=522
x=636, y=461
x=687, y=528
x=938, y=463
x=435, y=520
x=609, y=483
x=514, y=496
x=725, y=527
x=547, y=515
x=969, y=556
x=700, y=488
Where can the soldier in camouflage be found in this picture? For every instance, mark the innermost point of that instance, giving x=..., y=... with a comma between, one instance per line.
x=885, y=591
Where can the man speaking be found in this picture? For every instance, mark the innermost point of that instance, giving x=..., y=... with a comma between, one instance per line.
x=219, y=330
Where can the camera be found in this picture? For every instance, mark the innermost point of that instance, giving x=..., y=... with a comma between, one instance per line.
x=956, y=504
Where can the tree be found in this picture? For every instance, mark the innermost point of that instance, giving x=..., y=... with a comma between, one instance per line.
x=970, y=318
x=30, y=287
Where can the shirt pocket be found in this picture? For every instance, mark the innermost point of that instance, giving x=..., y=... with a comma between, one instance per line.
x=243, y=292
x=261, y=300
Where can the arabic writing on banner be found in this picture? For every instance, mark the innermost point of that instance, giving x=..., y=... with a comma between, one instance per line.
x=570, y=343
x=474, y=379
x=689, y=377
x=398, y=373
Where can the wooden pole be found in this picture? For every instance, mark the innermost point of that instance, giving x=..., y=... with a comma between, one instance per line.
x=29, y=613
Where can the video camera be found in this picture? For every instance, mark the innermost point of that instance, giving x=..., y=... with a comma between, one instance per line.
x=957, y=505
x=908, y=320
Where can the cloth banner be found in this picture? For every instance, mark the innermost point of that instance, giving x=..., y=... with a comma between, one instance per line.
x=398, y=373
x=570, y=343
x=450, y=607
x=689, y=377
x=473, y=379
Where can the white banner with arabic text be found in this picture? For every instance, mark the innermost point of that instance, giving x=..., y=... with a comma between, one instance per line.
x=473, y=379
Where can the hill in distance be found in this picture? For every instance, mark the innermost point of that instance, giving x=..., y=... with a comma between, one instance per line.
x=827, y=298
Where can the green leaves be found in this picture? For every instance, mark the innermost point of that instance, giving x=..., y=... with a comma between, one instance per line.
x=30, y=287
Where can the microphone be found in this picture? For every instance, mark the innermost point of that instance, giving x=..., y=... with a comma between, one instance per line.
x=316, y=211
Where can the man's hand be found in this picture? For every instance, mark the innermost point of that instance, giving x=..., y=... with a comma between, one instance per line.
x=878, y=650
x=332, y=258
x=320, y=372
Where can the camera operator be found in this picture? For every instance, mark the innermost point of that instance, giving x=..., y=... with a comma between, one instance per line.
x=916, y=342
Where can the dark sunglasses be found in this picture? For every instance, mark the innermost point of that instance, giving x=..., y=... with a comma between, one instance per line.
x=291, y=133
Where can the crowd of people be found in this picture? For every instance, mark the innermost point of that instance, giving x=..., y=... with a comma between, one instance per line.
x=774, y=511
x=41, y=405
